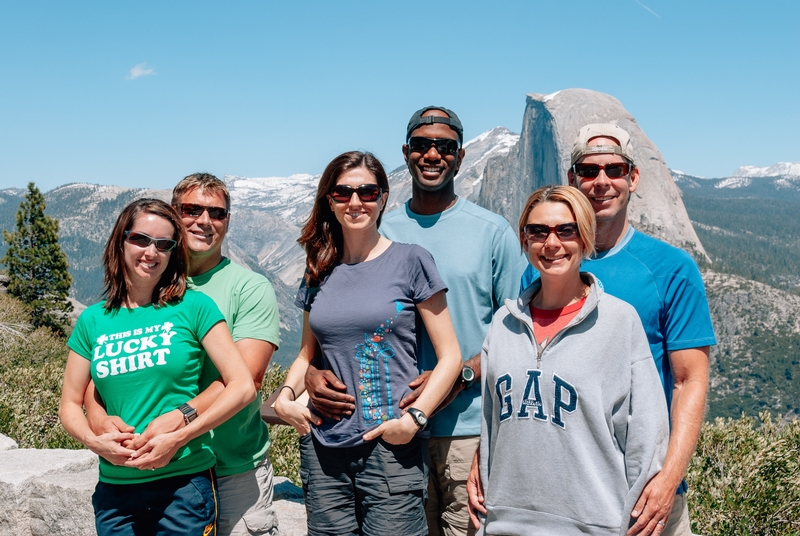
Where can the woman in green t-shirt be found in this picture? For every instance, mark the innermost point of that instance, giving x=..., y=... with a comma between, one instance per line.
x=144, y=348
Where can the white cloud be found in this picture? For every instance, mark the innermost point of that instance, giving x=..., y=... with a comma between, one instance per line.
x=140, y=70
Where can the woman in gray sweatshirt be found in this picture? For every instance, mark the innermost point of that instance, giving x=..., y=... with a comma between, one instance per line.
x=574, y=420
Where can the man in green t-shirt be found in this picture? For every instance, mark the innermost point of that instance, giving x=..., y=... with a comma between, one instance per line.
x=247, y=300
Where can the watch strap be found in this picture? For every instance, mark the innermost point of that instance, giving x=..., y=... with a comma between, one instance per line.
x=420, y=419
x=189, y=413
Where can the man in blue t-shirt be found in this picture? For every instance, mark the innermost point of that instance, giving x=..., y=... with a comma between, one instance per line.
x=664, y=285
x=479, y=258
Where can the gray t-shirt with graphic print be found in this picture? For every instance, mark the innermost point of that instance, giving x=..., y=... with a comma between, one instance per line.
x=364, y=317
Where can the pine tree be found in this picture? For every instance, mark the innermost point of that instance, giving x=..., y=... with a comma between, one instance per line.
x=37, y=267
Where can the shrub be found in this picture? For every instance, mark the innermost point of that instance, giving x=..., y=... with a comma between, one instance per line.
x=745, y=480
x=31, y=370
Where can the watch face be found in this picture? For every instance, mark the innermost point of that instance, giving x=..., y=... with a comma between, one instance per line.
x=418, y=417
x=467, y=374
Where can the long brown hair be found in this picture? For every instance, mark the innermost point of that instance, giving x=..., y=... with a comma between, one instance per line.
x=172, y=284
x=321, y=236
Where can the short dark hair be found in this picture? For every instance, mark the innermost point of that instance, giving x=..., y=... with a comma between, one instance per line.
x=205, y=182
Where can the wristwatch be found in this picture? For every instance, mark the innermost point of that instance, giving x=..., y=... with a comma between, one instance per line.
x=419, y=417
x=467, y=376
x=189, y=413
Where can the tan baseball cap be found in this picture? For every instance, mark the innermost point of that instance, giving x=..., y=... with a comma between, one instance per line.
x=606, y=130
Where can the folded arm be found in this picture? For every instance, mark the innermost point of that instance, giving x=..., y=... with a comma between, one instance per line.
x=238, y=391
x=436, y=317
x=107, y=444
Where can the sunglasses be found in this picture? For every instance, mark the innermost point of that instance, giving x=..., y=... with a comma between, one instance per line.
x=538, y=232
x=164, y=245
x=444, y=146
x=188, y=210
x=367, y=193
x=590, y=171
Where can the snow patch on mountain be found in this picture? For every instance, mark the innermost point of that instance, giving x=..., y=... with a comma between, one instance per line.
x=287, y=197
x=787, y=182
x=503, y=138
x=776, y=170
x=734, y=182
x=680, y=174
x=549, y=97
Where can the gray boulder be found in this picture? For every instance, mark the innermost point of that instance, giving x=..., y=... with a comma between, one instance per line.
x=6, y=443
x=45, y=492
x=542, y=156
x=49, y=491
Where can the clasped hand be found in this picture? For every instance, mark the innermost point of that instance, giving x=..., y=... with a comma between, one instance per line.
x=152, y=449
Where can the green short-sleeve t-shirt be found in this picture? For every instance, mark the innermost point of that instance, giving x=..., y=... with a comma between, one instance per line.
x=247, y=300
x=146, y=362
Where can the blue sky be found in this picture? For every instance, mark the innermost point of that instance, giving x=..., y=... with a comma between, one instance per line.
x=143, y=93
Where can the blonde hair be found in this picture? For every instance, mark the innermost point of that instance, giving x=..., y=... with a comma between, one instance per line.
x=577, y=203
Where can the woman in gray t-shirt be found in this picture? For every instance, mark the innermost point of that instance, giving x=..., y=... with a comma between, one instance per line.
x=362, y=294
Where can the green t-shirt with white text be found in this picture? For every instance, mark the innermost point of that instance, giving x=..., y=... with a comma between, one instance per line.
x=146, y=362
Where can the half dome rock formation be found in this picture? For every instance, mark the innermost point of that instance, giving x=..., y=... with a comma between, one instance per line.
x=542, y=156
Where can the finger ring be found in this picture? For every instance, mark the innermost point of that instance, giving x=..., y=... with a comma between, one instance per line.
x=661, y=523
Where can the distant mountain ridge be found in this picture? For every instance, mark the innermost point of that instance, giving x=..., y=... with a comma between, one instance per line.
x=747, y=226
x=758, y=184
x=266, y=216
x=776, y=170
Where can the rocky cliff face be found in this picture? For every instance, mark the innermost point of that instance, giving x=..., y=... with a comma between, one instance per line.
x=541, y=157
x=757, y=356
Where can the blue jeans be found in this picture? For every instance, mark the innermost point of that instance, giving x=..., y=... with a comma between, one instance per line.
x=183, y=505
x=374, y=489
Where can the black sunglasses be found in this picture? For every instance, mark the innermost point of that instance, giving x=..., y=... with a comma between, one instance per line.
x=195, y=211
x=164, y=245
x=367, y=193
x=444, y=146
x=590, y=171
x=538, y=232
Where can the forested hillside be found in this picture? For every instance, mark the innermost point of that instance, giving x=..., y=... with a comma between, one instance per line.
x=751, y=231
x=755, y=238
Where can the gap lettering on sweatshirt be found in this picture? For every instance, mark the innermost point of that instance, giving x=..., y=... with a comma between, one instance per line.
x=565, y=398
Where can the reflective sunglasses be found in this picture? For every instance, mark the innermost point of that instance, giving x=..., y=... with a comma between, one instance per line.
x=590, y=171
x=195, y=211
x=538, y=232
x=164, y=245
x=367, y=193
x=444, y=146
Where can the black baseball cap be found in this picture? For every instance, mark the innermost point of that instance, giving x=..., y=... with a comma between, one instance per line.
x=417, y=121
